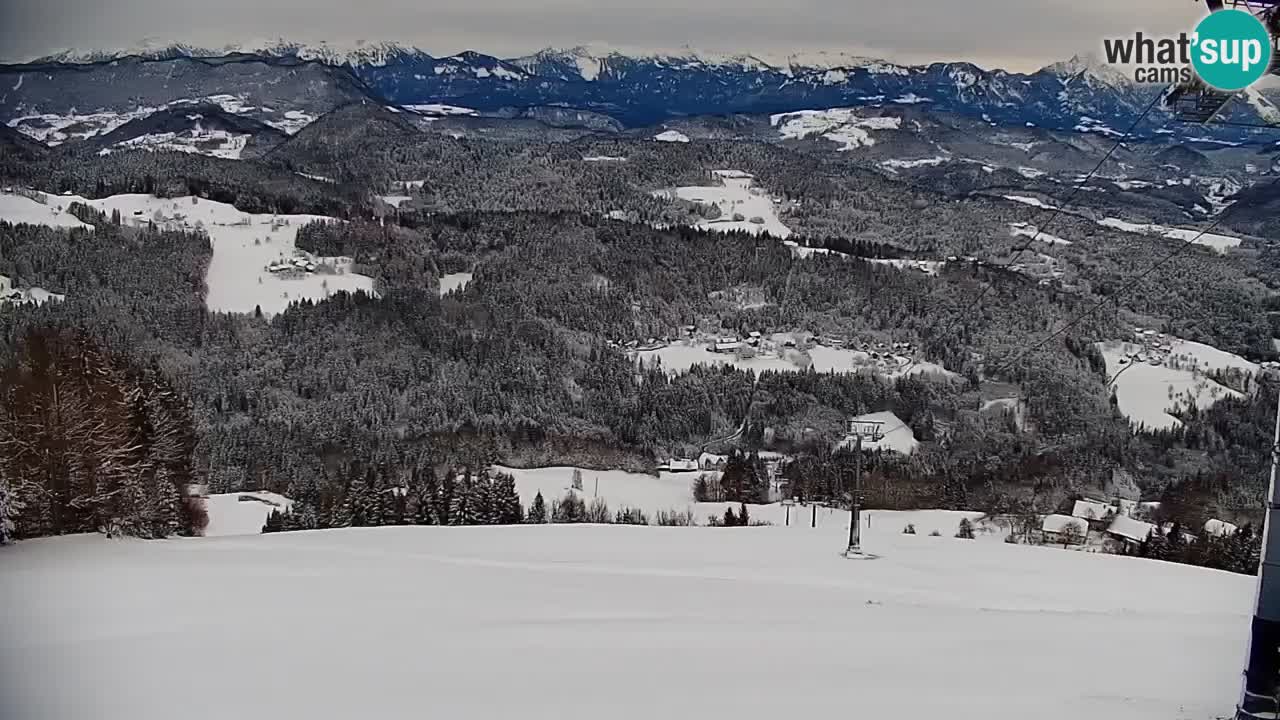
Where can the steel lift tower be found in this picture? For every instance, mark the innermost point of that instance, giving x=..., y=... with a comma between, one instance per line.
x=1260, y=695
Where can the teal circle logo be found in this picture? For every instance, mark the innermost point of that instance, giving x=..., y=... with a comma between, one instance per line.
x=1231, y=50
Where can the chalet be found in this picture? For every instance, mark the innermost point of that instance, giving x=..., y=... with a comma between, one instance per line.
x=676, y=465
x=1055, y=529
x=710, y=461
x=1130, y=531
x=726, y=347
x=1097, y=514
x=1219, y=528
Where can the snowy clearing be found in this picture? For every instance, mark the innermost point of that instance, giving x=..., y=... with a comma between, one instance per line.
x=245, y=245
x=839, y=125
x=928, y=267
x=741, y=206
x=395, y=201
x=241, y=513
x=671, y=136
x=922, y=162
x=19, y=209
x=1218, y=242
x=751, y=623
x=679, y=357
x=440, y=109
x=1148, y=393
x=9, y=294
x=215, y=143
x=1022, y=229
x=53, y=130
x=1033, y=201
x=454, y=281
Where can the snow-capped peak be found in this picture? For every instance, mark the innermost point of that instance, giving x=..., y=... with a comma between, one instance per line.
x=357, y=52
x=1089, y=66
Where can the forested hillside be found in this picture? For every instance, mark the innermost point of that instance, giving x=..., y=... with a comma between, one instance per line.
x=528, y=363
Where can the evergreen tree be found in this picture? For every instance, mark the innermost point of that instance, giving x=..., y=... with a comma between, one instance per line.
x=569, y=509
x=730, y=519
x=8, y=511
x=275, y=522
x=537, y=510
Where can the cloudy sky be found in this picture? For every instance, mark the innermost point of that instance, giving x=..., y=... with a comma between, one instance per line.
x=993, y=33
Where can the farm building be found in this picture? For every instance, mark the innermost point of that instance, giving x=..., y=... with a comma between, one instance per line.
x=1058, y=529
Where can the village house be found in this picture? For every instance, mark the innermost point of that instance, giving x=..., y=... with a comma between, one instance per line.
x=677, y=465
x=1219, y=528
x=1055, y=529
x=710, y=461
x=1097, y=514
x=1128, y=531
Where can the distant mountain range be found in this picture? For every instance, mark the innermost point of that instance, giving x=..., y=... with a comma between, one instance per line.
x=637, y=89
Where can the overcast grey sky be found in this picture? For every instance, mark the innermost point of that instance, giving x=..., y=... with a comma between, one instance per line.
x=992, y=33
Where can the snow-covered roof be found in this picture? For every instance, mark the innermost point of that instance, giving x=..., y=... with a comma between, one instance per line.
x=677, y=465
x=1130, y=529
x=1059, y=523
x=1092, y=510
x=711, y=459
x=1219, y=528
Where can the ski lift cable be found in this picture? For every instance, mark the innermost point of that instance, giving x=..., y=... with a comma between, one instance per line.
x=1059, y=207
x=1182, y=247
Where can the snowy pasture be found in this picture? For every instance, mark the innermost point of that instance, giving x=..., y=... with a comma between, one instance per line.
x=454, y=281
x=680, y=356
x=215, y=143
x=18, y=209
x=1217, y=241
x=241, y=513
x=750, y=623
x=742, y=207
x=843, y=126
x=1147, y=394
x=244, y=245
x=671, y=136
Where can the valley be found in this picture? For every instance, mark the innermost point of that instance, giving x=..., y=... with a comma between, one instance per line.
x=338, y=328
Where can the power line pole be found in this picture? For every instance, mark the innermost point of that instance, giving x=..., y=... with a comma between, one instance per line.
x=1260, y=694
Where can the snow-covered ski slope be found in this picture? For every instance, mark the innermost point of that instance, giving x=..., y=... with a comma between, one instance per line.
x=584, y=622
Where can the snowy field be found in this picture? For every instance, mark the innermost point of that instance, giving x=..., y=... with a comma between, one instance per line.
x=671, y=136
x=680, y=356
x=578, y=622
x=454, y=281
x=842, y=126
x=215, y=143
x=241, y=513
x=1022, y=229
x=1218, y=242
x=742, y=207
x=1146, y=394
x=18, y=209
x=244, y=244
